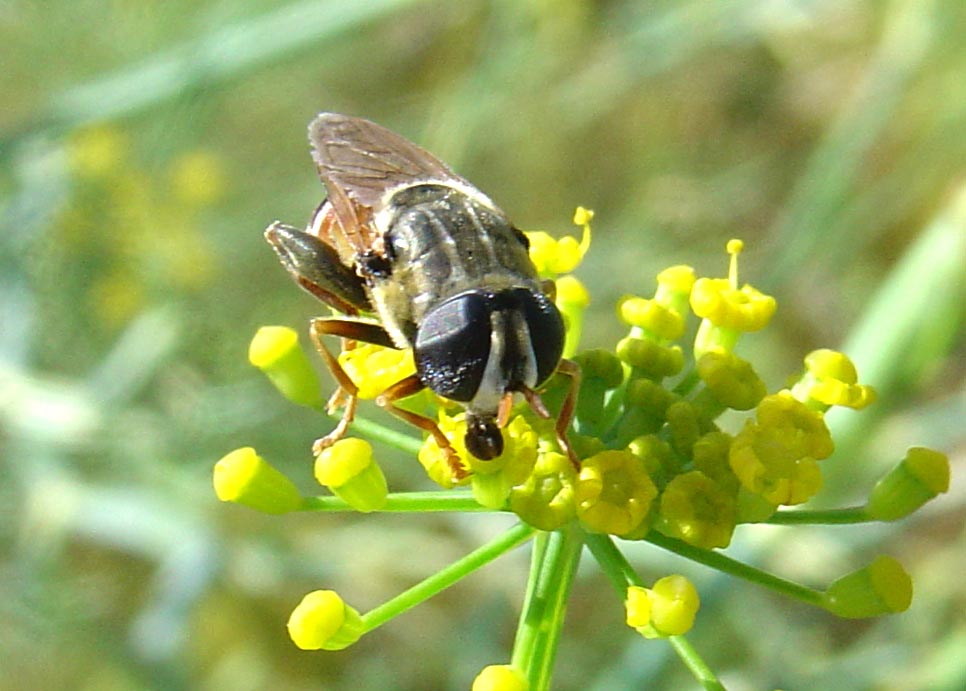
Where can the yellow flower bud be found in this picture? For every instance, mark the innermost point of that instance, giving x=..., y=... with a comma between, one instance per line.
x=919, y=477
x=244, y=477
x=275, y=350
x=674, y=604
x=667, y=609
x=500, y=678
x=350, y=471
x=882, y=587
x=322, y=621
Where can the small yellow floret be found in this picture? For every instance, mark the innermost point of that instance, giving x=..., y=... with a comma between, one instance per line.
x=740, y=309
x=831, y=379
x=554, y=257
x=613, y=492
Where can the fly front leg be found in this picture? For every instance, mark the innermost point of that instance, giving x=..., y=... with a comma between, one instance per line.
x=570, y=369
x=347, y=392
x=407, y=387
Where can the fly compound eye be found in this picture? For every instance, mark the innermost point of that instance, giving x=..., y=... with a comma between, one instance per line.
x=453, y=345
x=546, y=329
x=483, y=437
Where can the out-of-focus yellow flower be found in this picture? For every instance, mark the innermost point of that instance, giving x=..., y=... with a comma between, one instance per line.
x=882, y=587
x=322, y=621
x=500, y=678
x=776, y=455
x=117, y=296
x=244, y=477
x=554, y=257
x=98, y=151
x=831, y=379
x=198, y=178
x=349, y=469
x=275, y=350
x=694, y=508
x=613, y=492
x=545, y=499
x=921, y=476
x=374, y=368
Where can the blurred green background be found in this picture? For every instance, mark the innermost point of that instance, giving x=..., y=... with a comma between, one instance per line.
x=145, y=145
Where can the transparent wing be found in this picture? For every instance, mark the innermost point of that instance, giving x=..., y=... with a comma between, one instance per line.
x=359, y=161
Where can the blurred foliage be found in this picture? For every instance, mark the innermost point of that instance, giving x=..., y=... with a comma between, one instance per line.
x=144, y=146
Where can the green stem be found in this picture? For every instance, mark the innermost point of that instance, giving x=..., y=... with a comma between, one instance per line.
x=441, y=500
x=718, y=561
x=555, y=560
x=373, y=431
x=446, y=577
x=621, y=575
x=854, y=514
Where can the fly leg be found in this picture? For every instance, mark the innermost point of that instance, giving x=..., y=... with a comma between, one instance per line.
x=571, y=369
x=347, y=393
x=407, y=387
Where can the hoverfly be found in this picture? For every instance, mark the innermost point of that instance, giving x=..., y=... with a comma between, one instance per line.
x=403, y=237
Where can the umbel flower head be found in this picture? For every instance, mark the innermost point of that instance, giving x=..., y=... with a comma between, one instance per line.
x=673, y=442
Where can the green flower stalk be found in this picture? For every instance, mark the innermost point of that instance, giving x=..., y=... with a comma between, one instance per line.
x=674, y=443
